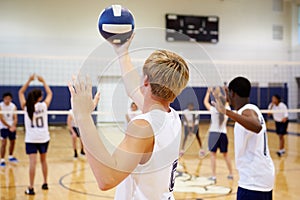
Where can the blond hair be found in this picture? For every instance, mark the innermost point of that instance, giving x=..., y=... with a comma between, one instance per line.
x=168, y=74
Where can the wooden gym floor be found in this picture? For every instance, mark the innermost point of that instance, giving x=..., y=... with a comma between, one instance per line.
x=72, y=179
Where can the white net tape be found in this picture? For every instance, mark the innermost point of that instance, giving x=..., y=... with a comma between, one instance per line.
x=197, y=112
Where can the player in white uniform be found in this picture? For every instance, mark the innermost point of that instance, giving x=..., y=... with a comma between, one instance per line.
x=132, y=112
x=191, y=126
x=252, y=156
x=281, y=121
x=36, y=128
x=74, y=130
x=143, y=165
x=217, y=136
x=8, y=124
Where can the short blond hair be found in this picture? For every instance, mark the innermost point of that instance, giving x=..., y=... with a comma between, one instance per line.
x=168, y=74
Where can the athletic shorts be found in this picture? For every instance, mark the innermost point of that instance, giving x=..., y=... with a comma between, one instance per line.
x=217, y=140
x=32, y=148
x=194, y=130
x=244, y=194
x=5, y=133
x=76, y=130
x=281, y=127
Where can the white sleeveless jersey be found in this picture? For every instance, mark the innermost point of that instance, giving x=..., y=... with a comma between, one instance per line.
x=8, y=117
x=73, y=119
x=278, y=116
x=155, y=179
x=191, y=119
x=214, y=121
x=36, y=130
x=131, y=115
x=252, y=156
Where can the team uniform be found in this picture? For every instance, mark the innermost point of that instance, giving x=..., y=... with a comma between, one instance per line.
x=132, y=114
x=155, y=179
x=191, y=121
x=217, y=133
x=281, y=127
x=253, y=161
x=9, y=118
x=36, y=130
x=74, y=127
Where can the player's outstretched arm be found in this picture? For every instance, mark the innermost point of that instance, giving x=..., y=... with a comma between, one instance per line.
x=3, y=120
x=270, y=107
x=47, y=89
x=109, y=169
x=129, y=73
x=247, y=119
x=206, y=99
x=15, y=121
x=22, y=90
x=69, y=123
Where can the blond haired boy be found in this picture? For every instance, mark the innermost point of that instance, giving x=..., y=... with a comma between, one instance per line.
x=143, y=165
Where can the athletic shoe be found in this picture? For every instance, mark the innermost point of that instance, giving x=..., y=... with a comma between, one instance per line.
x=45, y=186
x=75, y=155
x=2, y=164
x=201, y=153
x=29, y=191
x=13, y=159
x=82, y=152
x=181, y=153
x=213, y=178
x=280, y=152
x=230, y=177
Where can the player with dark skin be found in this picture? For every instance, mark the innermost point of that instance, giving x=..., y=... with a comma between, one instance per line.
x=248, y=119
x=250, y=141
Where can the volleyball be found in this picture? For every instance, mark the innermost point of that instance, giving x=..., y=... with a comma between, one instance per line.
x=116, y=24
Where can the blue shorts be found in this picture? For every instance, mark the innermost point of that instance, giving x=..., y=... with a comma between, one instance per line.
x=244, y=194
x=194, y=129
x=32, y=148
x=281, y=127
x=217, y=140
x=5, y=133
x=76, y=130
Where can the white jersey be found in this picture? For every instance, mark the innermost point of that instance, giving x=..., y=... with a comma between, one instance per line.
x=36, y=130
x=278, y=117
x=252, y=156
x=215, y=121
x=131, y=115
x=73, y=119
x=8, y=117
x=154, y=180
x=192, y=119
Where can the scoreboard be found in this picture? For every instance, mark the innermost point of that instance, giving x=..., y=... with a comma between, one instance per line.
x=192, y=28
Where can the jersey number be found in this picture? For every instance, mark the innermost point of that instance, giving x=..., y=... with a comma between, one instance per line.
x=173, y=176
x=265, y=144
x=39, y=122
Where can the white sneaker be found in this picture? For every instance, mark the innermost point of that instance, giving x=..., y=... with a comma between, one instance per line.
x=201, y=153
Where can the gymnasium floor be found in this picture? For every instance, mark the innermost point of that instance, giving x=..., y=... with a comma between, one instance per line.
x=72, y=179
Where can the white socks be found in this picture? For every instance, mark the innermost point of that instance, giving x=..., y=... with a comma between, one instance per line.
x=281, y=151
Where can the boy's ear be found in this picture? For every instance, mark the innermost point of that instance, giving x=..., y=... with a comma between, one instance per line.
x=146, y=80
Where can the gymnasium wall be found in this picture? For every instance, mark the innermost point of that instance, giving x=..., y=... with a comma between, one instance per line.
x=60, y=101
x=295, y=40
x=53, y=38
x=69, y=27
x=258, y=95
